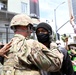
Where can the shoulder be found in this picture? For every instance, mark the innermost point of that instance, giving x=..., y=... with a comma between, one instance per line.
x=53, y=45
x=17, y=43
x=64, y=51
x=35, y=43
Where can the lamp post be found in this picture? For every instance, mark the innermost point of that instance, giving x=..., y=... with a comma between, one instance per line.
x=6, y=25
x=55, y=19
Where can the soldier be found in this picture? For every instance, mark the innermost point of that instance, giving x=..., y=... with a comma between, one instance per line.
x=27, y=56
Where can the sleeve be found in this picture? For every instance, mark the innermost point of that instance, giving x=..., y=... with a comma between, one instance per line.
x=48, y=60
x=67, y=66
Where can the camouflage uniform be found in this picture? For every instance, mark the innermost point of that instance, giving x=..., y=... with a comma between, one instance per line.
x=27, y=57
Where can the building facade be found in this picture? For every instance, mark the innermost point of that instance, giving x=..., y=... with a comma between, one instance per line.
x=9, y=8
x=72, y=8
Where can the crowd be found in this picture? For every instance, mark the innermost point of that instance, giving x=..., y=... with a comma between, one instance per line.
x=25, y=56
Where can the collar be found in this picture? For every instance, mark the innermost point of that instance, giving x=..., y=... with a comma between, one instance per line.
x=20, y=36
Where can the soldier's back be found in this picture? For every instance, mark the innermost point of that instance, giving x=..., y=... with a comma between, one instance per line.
x=17, y=62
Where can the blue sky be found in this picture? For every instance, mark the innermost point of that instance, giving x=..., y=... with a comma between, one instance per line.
x=62, y=14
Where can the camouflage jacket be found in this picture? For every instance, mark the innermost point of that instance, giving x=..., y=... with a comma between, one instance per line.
x=24, y=53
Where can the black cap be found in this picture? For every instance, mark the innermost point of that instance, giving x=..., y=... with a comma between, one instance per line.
x=45, y=26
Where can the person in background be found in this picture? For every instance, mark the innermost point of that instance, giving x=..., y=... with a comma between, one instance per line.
x=28, y=56
x=72, y=53
x=44, y=35
x=72, y=23
x=4, y=49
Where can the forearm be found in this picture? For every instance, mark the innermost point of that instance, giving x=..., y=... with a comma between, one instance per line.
x=47, y=60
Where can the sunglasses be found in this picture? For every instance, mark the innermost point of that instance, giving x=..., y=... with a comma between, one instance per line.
x=30, y=27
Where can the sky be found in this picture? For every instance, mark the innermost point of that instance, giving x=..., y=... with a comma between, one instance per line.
x=62, y=14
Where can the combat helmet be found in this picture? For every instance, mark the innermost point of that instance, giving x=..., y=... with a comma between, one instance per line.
x=20, y=19
x=72, y=43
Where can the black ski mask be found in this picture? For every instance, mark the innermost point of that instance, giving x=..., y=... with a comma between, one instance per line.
x=43, y=37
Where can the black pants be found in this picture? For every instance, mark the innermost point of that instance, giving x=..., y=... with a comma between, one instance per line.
x=74, y=73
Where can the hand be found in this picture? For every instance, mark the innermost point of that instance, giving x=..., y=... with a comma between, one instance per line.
x=5, y=49
x=66, y=39
x=73, y=62
x=71, y=20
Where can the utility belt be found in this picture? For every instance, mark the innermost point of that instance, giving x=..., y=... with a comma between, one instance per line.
x=11, y=68
x=7, y=70
x=20, y=67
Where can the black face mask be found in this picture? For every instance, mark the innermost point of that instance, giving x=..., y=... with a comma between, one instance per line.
x=43, y=38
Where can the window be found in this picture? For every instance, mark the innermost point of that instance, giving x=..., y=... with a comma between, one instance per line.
x=23, y=7
x=1, y=5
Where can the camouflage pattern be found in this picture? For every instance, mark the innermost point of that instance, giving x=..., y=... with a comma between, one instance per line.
x=53, y=45
x=21, y=19
x=24, y=53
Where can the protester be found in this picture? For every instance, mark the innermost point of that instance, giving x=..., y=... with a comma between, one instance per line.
x=28, y=56
x=5, y=49
x=44, y=35
x=72, y=23
x=72, y=53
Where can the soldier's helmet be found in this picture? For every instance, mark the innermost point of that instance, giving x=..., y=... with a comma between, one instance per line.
x=71, y=45
x=72, y=41
x=20, y=19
